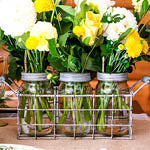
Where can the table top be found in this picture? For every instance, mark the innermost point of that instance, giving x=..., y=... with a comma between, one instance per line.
x=141, y=139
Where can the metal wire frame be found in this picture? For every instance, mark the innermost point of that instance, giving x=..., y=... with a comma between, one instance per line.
x=55, y=125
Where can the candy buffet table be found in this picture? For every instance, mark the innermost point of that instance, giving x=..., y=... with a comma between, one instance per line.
x=141, y=139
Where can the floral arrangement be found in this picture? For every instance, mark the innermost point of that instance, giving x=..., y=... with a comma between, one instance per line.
x=91, y=36
x=71, y=38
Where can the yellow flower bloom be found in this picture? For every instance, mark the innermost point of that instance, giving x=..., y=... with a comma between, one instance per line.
x=79, y=31
x=59, y=18
x=101, y=29
x=32, y=43
x=49, y=76
x=133, y=44
x=145, y=46
x=121, y=47
x=93, y=19
x=43, y=45
x=93, y=26
x=43, y=5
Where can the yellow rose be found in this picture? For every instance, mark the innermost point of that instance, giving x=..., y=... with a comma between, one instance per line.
x=32, y=43
x=79, y=31
x=93, y=19
x=93, y=26
x=43, y=5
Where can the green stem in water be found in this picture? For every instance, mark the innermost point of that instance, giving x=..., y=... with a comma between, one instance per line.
x=65, y=106
x=39, y=118
x=44, y=106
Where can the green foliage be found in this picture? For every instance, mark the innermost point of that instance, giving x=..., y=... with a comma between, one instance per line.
x=86, y=41
x=68, y=9
x=63, y=39
x=144, y=8
x=108, y=18
x=74, y=64
x=142, y=58
x=137, y=16
x=106, y=48
x=52, y=47
x=57, y=63
x=14, y=70
x=16, y=58
x=82, y=14
x=20, y=40
x=1, y=34
x=91, y=64
x=143, y=31
x=122, y=36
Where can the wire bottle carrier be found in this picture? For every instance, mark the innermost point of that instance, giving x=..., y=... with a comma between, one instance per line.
x=55, y=132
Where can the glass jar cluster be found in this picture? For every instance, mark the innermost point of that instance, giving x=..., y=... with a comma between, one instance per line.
x=78, y=110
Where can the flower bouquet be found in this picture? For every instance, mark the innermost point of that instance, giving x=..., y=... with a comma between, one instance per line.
x=26, y=30
x=73, y=55
x=124, y=44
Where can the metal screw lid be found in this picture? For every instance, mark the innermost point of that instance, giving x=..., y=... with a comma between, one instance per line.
x=75, y=77
x=33, y=76
x=112, y=77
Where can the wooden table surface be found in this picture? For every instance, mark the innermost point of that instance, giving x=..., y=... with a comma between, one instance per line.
x=141, y=139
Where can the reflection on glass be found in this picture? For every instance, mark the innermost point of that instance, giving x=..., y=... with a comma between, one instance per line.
x=2, y=85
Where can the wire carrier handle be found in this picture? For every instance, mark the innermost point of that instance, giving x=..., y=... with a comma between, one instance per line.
x=5, y=78
x=145, y=79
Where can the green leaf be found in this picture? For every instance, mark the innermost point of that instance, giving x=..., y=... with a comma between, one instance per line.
x=143, y=58
x=104, y=51
x=83, y=7
x=2, y=42
x=74, y=64
x=1, y=34
x=86, y=41
x=68, y=9
x=69, y=18
x=20, y=40
x=109, y=69
x=147, y=30
x=56, y=63
x=63, y=39
x=14, y=70
x=65, y=64
x=136, y=16
x=91, y=63
x=123, y=35
x=144, y=8
x=52, y=47
x=82, y=14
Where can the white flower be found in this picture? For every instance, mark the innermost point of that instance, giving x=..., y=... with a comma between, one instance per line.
x=16, y=16
x=138, y=4
x=103, y=5
x=43, y=31
x=113, y=30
